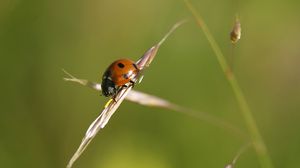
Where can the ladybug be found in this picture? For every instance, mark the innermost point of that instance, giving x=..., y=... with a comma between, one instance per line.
x=121, y=73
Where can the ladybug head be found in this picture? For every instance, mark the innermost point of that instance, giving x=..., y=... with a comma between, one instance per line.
x=108, y=88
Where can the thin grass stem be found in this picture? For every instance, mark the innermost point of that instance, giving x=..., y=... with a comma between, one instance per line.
x=155, y=101
x=259, y=145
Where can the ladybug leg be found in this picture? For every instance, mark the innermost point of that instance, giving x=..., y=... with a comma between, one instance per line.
x=114, y=99
x=118, y=89
x=124, y=86
x=132, y=83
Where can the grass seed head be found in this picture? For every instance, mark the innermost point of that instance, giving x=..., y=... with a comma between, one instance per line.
x=235, y=34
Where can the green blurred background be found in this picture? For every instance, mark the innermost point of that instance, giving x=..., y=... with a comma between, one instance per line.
x=43, y=118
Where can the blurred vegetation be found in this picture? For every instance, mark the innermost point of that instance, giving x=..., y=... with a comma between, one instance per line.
x=43, y=118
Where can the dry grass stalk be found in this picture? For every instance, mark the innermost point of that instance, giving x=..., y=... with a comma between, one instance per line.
x=112, y=105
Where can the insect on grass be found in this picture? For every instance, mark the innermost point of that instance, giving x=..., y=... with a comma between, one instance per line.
x=116, y=98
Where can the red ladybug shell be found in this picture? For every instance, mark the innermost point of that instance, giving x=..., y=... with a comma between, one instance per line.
x=122, y=71
x=118, y=74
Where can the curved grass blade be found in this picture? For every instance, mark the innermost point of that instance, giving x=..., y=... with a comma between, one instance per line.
x=258, y=142
x=155, y=101
x=147, y=58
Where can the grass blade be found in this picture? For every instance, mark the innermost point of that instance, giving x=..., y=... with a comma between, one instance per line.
x=155, y=101
x=259, y=145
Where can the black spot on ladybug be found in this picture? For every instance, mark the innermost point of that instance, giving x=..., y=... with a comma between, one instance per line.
x=120, y=65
